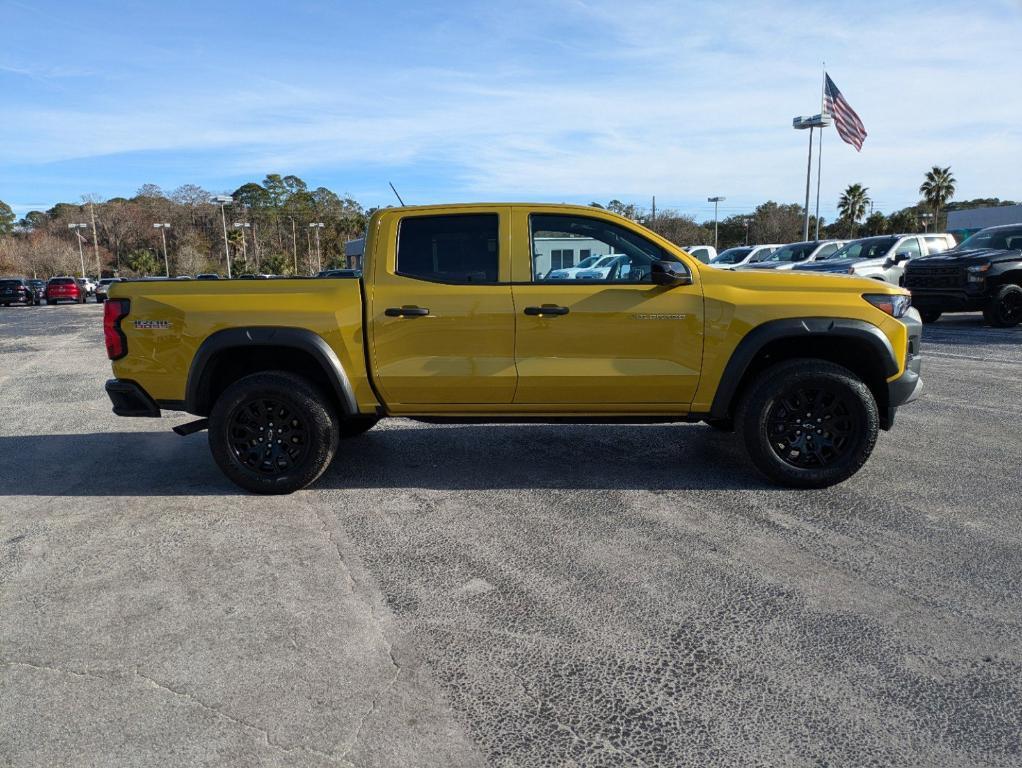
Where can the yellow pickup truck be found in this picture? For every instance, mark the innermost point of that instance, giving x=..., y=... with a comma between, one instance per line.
x=517, y=312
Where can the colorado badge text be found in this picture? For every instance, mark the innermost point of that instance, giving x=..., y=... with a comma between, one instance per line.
x=152, y=325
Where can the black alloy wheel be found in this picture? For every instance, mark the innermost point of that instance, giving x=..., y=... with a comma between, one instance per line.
x=268, y=436
x=1005, y=309
x=811, y=427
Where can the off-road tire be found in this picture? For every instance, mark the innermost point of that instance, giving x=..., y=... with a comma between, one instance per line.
x=765, y=405
x=257, y=399
x=930, y=315
x=353, y=426
x=1005, y=308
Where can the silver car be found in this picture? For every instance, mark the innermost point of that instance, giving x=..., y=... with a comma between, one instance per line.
x=891, y=266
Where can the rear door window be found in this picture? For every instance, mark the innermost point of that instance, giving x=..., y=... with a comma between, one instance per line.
x=458, y=248
x=936, y=244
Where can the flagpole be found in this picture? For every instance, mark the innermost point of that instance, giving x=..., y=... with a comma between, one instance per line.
x=819, y=149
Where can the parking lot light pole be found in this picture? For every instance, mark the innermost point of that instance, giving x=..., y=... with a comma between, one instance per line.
x=820, y=121
x=316, y=226
x=78, y=236
x=244, y=244
x=223, y=200
x=163, y=233
x=715, y=200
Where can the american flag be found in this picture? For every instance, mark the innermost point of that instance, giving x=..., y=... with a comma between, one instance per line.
x=849, y=126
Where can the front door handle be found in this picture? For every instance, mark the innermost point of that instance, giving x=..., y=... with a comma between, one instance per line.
x=406, y=312
x=547, y=309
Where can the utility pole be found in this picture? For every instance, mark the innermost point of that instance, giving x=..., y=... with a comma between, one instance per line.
x=654, y=209
x=294, y=242
x=319, y=254
x=223, y=200
x=163, y=233
x=95, y=239
x=78, y=236
x=820, y=121
x=715, y=200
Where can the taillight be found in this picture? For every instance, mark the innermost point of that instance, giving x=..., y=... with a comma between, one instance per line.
x=115, y=310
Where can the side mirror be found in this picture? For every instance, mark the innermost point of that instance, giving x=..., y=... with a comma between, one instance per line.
x=670, y=273
x=903, y=256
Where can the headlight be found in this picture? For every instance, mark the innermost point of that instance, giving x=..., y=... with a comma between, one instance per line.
x=894, y=304
x=977, y=273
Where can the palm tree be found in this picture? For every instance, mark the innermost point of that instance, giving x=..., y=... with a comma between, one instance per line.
x=852, y=205
x=938, y=188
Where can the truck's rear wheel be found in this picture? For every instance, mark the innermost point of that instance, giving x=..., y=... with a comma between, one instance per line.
x=1005, y=308
x=930, y=315
x=272, y=432
x=808, y=423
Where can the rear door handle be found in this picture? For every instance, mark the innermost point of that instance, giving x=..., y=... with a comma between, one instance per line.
x=406, y=312
x=547, y=309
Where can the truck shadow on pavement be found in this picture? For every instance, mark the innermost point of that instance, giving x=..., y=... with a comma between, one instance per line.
x=398, y=454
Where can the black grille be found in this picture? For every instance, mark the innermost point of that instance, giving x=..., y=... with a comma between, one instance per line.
x=934, y=277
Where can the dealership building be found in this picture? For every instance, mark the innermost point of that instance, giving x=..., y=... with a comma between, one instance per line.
x=978, y=218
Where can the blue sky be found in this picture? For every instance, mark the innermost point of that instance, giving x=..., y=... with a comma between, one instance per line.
x=559, y=100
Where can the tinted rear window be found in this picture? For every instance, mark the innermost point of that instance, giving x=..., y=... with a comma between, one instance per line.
x=9, y=283
x=62, y=281
x=459, y=248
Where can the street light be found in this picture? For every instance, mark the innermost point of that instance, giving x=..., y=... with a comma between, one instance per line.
x=319, y=256
x=244, y=244
x=820, y=121
x=223, y=200
x=715, y=200
x=81, y=253
x=925, y=221
x=163, y=233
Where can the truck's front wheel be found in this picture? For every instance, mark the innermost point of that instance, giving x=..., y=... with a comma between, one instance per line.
x=272, y=432
x=808, y=423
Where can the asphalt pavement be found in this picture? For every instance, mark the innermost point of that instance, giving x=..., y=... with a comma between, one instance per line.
x=562, y=595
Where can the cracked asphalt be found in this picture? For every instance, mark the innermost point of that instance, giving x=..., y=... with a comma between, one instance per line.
x=506, y=595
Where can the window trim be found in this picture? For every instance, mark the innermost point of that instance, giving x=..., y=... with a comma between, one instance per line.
x=575, y=281
x=407, y=276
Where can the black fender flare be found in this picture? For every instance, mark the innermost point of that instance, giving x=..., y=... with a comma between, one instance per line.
x=197, y=388
x=796, y=328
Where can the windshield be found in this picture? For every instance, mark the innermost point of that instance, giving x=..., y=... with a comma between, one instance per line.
x=870, y=248
x=731, y=256
x=1005, y=239
x=107, y=280
x=789, y=253
x=588, y=261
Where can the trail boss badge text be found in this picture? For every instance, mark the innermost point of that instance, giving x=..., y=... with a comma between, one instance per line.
x=152, y=325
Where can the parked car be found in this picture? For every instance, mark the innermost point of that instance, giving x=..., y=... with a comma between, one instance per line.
x=882, y=257
x=705, y=253
x=339, y=273
x=65, y=289
x=90, y=286
x=613, y=266
x=571, y=273
x=743, y=254
x=984, y=273
x=207, y=276
x=806, y=369
x=806, y=252
x=103, y=286
x=16, y=290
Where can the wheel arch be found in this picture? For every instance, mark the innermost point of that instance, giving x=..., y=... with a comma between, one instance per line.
x=227, y=355
x=855, y=344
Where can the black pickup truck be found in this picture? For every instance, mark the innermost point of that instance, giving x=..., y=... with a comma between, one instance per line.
x=983, y=274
